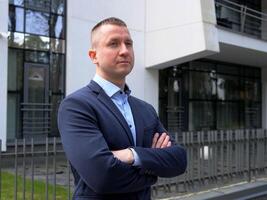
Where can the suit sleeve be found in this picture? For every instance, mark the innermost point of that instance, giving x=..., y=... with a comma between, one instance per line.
x=88, y=152
x=166, y=162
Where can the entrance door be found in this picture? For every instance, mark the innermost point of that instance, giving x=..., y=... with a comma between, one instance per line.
x=35, y=107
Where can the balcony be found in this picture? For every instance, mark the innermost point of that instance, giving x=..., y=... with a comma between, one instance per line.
x=241, y=18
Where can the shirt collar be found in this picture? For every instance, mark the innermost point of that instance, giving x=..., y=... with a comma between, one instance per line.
x=110, y=88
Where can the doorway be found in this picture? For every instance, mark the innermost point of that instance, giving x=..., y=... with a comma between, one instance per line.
x=36, y=108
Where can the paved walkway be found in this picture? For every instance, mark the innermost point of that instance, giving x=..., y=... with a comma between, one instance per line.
x=241, y=191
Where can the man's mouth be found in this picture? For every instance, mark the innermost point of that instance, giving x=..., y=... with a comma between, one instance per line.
x=124, y=62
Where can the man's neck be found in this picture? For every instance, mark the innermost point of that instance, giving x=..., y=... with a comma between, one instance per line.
x=119, y=83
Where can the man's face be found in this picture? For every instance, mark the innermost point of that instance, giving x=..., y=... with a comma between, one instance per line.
x=113, y=52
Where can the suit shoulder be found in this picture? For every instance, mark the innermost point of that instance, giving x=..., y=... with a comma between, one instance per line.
x=143, y=103
x=82, y=95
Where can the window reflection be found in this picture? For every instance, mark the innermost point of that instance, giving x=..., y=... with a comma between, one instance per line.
x=36, y=42
x=252, y=114
x=252, y=90
x=16, y=19
x=15, y=65
x=228, y=87
x=37, y=57
x=17, y=2
x=201, y=116
x=43, y=5
x=228, y=115
x=37, y=23
x=16, y=40
x=219, y=96
x=58, y=6
x=57, y=73
x=203, y=85
x=57, y=24
x=57, y=45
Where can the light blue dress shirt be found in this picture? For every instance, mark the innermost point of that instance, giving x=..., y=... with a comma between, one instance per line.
x=120, y=99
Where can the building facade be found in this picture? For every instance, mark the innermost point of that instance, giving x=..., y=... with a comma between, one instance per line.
x=201, y=64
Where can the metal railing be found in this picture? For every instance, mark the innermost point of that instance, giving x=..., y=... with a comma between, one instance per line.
x=31, y=164
x=36, y=119
x=215, y=159
x=241, y=18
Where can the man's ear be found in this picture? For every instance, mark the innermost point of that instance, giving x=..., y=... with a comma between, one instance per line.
x=92, y=55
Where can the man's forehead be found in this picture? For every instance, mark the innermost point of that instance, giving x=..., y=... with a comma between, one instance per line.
x=109, y=28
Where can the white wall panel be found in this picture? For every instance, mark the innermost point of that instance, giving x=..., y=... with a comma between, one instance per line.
x=3, y=71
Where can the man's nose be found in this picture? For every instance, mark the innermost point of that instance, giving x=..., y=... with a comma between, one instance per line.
x=124, y=49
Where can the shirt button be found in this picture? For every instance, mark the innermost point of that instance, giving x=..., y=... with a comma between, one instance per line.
x=120, y=92
x=130, y=126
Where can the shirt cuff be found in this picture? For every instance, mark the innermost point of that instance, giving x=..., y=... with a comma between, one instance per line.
x=137, y=161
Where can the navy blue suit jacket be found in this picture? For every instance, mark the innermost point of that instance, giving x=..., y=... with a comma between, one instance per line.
x=91, y=126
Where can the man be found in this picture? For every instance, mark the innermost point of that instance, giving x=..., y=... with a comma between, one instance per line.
x=115, y=143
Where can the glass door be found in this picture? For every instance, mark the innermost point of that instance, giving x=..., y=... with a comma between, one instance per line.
x=36, y=108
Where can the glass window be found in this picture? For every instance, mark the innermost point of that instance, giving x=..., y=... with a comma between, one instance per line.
x=252, y=72
x=16, y=40
x=201, y=116
x=203, y=85
x=58, y=46
x=252, y=90
x=252, y=115
x=57, y=26
x=202, y=66
x=37, y=57
x=228, y=69
x=17, y=2
x=58, y=6
x=57, y=73
x=16, y=19
x=37, y=23
x=228, y=87
x=15, y=65
x=12, y=103
x=36, y=42
x=43, y=5
x=228, y=115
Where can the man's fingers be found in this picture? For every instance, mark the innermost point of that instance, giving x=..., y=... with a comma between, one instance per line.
x=169, y=144
x=165, y=142
x=155, y=139
x=160, y=140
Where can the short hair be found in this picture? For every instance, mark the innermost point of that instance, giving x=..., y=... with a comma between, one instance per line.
x=110, y=20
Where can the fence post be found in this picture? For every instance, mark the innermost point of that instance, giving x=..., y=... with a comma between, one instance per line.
x=249, y=156
x=16, y=169
x=24, y=168
x=32, y=168
x=54, y=163
x=46, y=166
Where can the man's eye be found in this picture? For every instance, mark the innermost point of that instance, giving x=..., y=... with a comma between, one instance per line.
x=129, y=44
x=113, y=44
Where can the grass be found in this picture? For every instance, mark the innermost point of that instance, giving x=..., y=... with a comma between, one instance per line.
x=8, y=184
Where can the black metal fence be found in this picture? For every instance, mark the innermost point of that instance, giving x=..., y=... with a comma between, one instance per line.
x=215, y=159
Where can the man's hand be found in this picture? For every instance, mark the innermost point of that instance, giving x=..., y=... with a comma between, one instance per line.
x=124, y=155
x=161, y=141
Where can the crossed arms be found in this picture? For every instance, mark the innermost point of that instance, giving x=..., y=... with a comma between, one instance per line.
x=105, y=171
x=159, y=141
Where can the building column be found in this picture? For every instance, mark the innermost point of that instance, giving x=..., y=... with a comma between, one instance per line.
x=3, y=72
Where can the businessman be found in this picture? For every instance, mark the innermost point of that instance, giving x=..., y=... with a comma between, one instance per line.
x=116, y=145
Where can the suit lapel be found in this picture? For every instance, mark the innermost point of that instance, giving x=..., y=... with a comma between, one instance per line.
x=137, y=115
x=105, y=99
